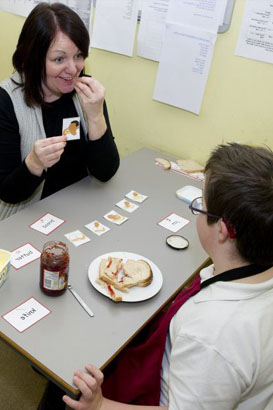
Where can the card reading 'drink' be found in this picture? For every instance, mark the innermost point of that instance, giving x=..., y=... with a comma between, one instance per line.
x=71, y=128
x=173, y=222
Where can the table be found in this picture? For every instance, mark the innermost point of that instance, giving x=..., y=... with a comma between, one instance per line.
x=68, y=338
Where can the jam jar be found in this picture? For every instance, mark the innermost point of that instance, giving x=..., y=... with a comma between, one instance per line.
x=54, y=268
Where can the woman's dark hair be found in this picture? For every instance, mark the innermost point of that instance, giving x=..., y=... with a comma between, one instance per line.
x=239, y=187
x=37, y=33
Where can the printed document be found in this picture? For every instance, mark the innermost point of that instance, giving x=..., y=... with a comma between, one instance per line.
x=24, y=7
x=152, y=28
x=204, y=14
x=115, y=26
x=256, y=34
x=184, y=66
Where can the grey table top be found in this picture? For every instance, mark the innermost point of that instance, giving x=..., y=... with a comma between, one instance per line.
x=68, y=338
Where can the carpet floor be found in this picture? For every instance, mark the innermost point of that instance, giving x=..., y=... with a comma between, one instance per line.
x=21, y=387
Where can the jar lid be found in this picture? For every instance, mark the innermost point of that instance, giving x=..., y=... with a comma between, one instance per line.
x=177, y=242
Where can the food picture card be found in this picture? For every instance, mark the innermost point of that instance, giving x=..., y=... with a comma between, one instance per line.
x=47, y=224
x=24, y=255
x=97, y=228
x=26, y=315
x=77, y=237
x=114, y=217
x=173, y=222
x=127, y=205
x=136, y=196
x=71, y=128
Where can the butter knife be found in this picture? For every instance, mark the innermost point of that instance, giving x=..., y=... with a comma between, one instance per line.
x=80, y=300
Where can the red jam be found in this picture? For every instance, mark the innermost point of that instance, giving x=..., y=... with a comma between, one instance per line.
x=54, y=268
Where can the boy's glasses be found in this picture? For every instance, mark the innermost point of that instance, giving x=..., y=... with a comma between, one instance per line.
x=197, y=208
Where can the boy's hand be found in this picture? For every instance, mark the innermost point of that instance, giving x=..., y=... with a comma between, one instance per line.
x=90, y=387
x=45, y=153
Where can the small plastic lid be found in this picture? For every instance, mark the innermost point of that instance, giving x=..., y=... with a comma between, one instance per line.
x=177, y=242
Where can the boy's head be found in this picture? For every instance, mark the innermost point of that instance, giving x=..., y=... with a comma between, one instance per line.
x=239, y=188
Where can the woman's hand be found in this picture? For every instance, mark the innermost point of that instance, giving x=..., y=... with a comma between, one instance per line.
x=91, y=94
x=90, y=387
x=45, y=153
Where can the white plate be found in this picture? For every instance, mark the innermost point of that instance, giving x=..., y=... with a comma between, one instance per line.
x=136, y=293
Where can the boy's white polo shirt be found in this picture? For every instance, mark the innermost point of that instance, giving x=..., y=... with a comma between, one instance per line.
x=219, y=351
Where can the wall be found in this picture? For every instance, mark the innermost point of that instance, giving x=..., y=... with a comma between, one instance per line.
x=237, y=104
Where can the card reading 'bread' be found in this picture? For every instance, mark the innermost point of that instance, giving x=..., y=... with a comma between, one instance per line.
x=114, y=217
x=173, y=222
x=136, y=196
x=71, y=128
x=97, y=228
x=77, y=237
x=127, y=205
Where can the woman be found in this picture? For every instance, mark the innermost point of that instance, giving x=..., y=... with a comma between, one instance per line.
x=48, y=86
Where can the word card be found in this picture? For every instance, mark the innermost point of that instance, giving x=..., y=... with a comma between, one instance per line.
x=97, y=228
x=136, y=196
x=114, y=217
x=24, y=255
x=47, y=224
x=173, y=222
x=127, y=205
x=26, y=315
x=71, y=128
x=77, y=237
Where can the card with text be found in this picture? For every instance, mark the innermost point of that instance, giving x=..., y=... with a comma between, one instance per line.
x=136, y=196
x=47, y=224
x=26, y=315
x=71, y=128
x=97, y=228
x=24, y=255
x=127, y=205
x=77, y=237
x=173, y=222
x=114, y=217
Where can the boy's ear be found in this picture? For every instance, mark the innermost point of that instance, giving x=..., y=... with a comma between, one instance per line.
x=223, y=232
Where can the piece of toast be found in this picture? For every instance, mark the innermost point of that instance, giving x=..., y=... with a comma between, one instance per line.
x=190, y=166
x=132, y=273
x=113, y=293
x=163, y=163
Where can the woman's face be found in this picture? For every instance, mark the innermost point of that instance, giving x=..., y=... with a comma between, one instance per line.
x=64, y=62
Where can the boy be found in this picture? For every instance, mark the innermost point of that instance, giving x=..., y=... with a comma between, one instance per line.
x=218, y=352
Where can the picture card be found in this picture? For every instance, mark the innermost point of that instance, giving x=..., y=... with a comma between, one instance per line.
x=24, y=255
x=114, y=217
x=127, y=205
x=97, y=228
x=47, y=224
x=77, y=237
x=71, y=128
x=26, y=315
x=173, y=222
x=136, y=196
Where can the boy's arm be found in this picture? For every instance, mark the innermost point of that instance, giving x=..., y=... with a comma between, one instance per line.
x=92, y=399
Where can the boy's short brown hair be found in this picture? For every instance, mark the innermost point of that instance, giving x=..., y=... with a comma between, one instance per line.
x=239, y=187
